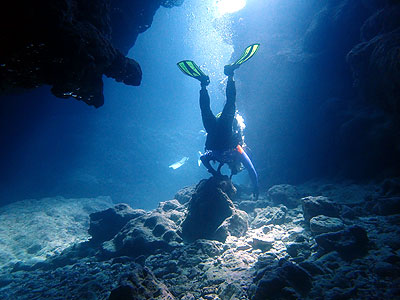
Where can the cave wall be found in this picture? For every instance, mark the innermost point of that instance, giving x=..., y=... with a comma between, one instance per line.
x=328, y=102
x=71, y=44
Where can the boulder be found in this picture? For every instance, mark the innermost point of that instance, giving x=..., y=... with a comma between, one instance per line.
x=169, y=205
x=324, y=224
x=288, y=281
x=184, y=195
x=284, y=194
x=104, y=225
x=211, y=212
x=350, y=243
x=314, y=206
x=299, y=250
x=144, y=235
x=269, y=287
x=172, y=210
x=236, y=225
x=296, y=276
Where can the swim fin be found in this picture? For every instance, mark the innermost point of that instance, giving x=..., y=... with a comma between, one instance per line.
x=190, y=68
x=247, y=54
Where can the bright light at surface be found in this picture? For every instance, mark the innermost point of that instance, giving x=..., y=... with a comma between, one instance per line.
x=229, y=6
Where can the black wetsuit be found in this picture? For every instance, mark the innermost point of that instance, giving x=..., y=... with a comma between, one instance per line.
x=219, y=130
x=221, y=144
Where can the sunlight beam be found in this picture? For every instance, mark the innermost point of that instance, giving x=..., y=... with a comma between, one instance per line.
x=229, y=6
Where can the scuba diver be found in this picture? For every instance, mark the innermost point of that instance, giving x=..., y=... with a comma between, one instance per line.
x=225, y=140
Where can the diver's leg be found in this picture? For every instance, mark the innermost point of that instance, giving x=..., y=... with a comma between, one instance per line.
x=228, y=112
x=209, y=120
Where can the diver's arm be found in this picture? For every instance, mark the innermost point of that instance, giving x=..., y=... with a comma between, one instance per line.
x=207, y=116
x=205, y=159
x=245, y=160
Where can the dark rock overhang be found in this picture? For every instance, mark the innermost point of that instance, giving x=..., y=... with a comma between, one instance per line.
x=71, y=44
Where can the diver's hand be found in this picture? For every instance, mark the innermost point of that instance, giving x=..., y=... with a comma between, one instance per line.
x=204, y=81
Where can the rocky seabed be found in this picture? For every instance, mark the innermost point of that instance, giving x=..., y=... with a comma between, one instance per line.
x=314, y=241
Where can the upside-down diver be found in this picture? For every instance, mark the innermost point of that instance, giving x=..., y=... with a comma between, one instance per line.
x=225, y=140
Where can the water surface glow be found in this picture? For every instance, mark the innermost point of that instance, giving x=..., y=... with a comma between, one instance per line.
x=229, y=6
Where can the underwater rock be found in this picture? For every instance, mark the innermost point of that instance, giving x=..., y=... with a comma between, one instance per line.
x=385, y=19
x=185, y=194
x=236, y=225
x=312, y=268
x=209, y=248
x=269, y=287
x=299, y=250
x=71, y=44
x=42, y=228
x=262, y=243
x=391, y=187
x=336, y=27
x=143, y=236
x=130, y=18
x=269, y=215
x=296, y=276
x=347, y=212
x=324, y=224
x=172, y=210
x=86, y=279
x=284, y=194
x=288, y=281
x=350, y=243
x=211, y=212
x=378, y=78
x=386, y=269
x=344, y=193
x=167, y=206
x=252, y=266
x=314, y=206
x=387, y=206
x=374, y=62
x=141, y=284
x=104, y=225
x=339, y=293
x=249, y=205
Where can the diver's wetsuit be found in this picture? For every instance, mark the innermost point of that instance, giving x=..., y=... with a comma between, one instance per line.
x=219, y=130
x=220, y=143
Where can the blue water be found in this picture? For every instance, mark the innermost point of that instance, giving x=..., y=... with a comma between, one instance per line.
x=62, y=147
